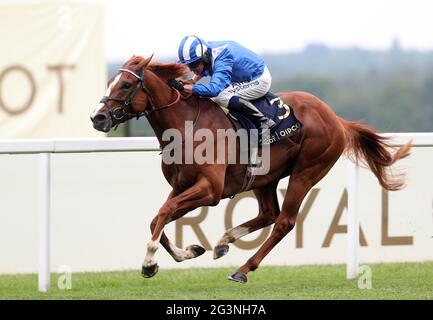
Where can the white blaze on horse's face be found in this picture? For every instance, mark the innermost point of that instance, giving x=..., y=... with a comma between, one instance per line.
x=107, y=94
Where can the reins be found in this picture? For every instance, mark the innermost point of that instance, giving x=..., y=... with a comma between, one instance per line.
x=121, y=113
x=155, y=109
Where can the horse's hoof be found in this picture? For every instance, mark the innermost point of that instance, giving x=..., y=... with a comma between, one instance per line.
x=238, y=277
x=196, y=250
x=220, y=251
x=149, y=271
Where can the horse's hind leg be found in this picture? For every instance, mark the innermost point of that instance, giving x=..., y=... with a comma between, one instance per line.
x=268, y=212
x=314, y=167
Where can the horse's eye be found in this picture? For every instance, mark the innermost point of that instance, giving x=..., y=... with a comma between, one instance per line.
x=126, y=86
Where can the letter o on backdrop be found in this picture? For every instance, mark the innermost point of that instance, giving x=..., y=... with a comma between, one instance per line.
x=28, y=103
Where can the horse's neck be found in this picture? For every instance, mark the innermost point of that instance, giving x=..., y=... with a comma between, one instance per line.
x=161, y=93
x=173, y=117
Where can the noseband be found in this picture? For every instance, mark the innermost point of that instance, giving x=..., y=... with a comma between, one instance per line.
x=121, y=113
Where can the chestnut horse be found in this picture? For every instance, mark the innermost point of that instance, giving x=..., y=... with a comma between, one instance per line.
x=140, y=88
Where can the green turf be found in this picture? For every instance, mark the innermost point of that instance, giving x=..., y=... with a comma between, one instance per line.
x=389, y=281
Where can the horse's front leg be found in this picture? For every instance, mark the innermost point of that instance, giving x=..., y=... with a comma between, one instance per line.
x=202, y=193
x=178, y=254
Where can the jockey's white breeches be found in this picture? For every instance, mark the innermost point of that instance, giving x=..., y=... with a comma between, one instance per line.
x=248, y=90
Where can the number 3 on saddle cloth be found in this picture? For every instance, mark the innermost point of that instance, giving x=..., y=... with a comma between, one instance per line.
x=274, y=108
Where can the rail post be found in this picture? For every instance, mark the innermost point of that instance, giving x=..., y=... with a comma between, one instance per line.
x=44, y=222
x=352, y=221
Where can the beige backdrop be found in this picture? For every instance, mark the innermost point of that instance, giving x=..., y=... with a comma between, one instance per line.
x=52, y=67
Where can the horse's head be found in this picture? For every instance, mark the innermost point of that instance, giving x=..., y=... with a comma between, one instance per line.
x=126, y=96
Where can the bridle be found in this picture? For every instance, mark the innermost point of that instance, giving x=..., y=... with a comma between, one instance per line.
x=123, y=112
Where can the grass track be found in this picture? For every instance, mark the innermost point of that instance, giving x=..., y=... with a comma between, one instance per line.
x=389, y=281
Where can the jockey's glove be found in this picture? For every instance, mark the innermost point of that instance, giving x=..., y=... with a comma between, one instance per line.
x=178, y=85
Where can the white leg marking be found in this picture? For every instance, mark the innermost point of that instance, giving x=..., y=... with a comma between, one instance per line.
x=232, y=235
x=152, y=246
x=181, y=255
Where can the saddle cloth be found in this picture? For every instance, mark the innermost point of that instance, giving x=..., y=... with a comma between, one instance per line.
x=274, y=108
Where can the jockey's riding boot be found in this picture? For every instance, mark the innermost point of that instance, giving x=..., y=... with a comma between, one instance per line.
x=247, y=108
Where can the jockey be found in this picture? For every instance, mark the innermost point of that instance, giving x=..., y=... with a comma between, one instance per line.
x=238, y=75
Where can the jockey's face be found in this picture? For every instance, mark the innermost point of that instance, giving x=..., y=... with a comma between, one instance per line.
x=197, y=67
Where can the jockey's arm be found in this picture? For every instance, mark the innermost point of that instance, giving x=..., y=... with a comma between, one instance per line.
x=188, y=84
x=221, y=77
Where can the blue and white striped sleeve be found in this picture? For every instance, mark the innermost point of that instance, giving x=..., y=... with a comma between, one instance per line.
x=221, y=77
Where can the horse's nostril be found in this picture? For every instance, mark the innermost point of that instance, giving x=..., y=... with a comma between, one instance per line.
x=99, y=118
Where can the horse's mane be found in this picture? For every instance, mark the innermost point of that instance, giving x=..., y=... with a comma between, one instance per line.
x=165, y=71
x=168, y=71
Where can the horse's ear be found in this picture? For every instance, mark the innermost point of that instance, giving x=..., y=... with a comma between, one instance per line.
x=147, y=61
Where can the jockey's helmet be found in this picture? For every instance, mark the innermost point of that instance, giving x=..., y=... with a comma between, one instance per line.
x=191, y=49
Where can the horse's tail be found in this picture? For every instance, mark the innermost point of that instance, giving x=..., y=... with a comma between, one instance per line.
x=367, y=145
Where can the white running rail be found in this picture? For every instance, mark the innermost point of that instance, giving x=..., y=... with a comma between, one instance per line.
x=45, y=147
x=419, y=139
